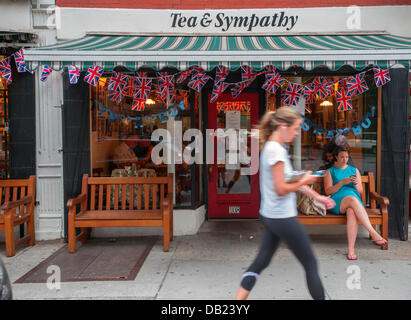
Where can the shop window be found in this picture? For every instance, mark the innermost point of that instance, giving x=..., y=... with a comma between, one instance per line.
x=122, y=146
x=4, y=136
x=307, y=151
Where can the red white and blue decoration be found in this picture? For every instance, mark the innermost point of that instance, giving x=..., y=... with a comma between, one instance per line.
x=117, y=82
x=142, y=87
x=293, y=94
x=20, y=62
x=45, y=73
x=74, y=74
x=273, y=81
x=356, y=85
x=116, y=96
x=197, y=82
x=248, y=74
x=5, y=69
x=381, y=76
x=221, y=74
x=93, y=75
x=218, y=89
x=343, y=100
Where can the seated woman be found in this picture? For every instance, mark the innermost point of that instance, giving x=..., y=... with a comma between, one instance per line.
x=343, y=183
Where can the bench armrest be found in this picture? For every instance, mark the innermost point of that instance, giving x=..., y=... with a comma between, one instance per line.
x=14, y=204
x=383, y=201
x=72, y=202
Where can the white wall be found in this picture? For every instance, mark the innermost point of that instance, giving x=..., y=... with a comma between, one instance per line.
x=15, y=15
x=75, y=22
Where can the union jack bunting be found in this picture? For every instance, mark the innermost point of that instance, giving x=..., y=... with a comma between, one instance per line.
x=221, y=74
x=141, y=74
x=323, y=91
x=74, y=74
x=128, y=88
x=93, y=75
x=45, y=73
x=218, y=89
x=307, y=106
x=195, y=71
x=5, y=69
x=138, y=104
x=248, y=74
x=270, y=69
x=309, y=92
x=381, y=76
x=343, y=100
x=197, y=83
x=116, y=96
x=238, y=88
x=19, y=59
x=183, y=75
x=142, y=87
x=356, y=85
x=293, y=94
x=273, y=81
x=117, y=82
x=166, y=85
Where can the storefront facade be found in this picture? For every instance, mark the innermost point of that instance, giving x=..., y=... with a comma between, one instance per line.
x=99, y=133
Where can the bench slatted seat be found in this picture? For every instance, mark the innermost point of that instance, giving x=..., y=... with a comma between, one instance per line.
x=122, y=202
x=17, y=198
x=377, y=216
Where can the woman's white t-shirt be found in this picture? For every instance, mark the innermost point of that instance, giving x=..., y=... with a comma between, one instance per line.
x=272, y=205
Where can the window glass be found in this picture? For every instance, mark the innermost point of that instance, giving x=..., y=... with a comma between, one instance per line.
x=4, y=130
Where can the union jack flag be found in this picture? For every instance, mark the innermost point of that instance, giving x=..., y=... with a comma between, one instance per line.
x=45, y=73
x=5, y=69
x=273, y=81
x=221, y=74
x=19, y=59
x=381, y=76
x=183, y=75
x=293, y=94
x=74, y=74
x=117, y=81
x=309, y=92
x=128, y=88
x=270, y=69
x=248, y=74
x=323, y=91
x=218, y=89
x=343, y=100
x=198, y=82
x=116, y=96
x=238, y=88
x=93, y=75
x=356, y=85
x=195, y=71
x=138, y=104
x=166, y=85
x=142, y=87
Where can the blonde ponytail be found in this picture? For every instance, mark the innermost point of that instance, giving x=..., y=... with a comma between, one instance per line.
x=272, y=119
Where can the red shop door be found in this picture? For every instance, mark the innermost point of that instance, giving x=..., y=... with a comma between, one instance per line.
x=230, y=194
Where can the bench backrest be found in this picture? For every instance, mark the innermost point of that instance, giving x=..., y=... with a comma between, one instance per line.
x=12, y=190
x=368, y=185
x=127, y=193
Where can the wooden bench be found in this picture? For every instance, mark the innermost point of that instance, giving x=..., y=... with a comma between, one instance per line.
x=137, y=202
x=17, y=198
x=377, y=216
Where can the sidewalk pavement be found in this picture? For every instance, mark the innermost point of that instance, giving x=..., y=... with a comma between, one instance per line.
x=209, y=266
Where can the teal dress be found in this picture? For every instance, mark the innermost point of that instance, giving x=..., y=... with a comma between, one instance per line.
x=346, y=190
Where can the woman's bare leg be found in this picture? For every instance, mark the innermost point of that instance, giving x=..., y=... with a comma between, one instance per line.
x=352, y=230
x=242, y=294
x=361, y=214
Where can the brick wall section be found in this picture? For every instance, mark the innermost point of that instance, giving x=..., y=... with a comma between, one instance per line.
x=223, y=4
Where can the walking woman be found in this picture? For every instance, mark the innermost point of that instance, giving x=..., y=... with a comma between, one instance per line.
x=278, y=208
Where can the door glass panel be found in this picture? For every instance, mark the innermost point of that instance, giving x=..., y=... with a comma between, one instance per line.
x=233, y=115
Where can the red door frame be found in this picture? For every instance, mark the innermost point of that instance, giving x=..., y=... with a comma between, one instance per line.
x=219, y=204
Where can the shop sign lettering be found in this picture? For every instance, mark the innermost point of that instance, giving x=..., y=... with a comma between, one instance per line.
x=222, y=21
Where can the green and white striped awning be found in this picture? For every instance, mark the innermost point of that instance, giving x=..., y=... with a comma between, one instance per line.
x=182, y=52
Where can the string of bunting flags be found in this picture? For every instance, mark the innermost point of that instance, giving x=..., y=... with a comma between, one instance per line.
x=172, y=111
x=357, y=127
x=140, y=86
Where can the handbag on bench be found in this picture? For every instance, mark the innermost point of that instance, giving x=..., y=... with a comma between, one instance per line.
x=310, y=206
